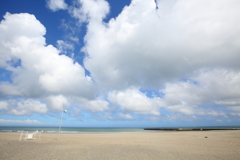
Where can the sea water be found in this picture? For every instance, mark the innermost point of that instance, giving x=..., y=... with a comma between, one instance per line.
x=70, y=129
x=99, y=130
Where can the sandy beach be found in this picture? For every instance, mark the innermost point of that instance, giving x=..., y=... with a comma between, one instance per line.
x=183, y=145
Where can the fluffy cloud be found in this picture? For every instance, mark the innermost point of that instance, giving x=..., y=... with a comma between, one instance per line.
x=15, y=28
x=41, y=70
x=38, y=71
x=140, y=48
x=132, y=100
x=3, y=105
x=90, y=10
x=96, y=105
x=56, y=5
x=216, y=88
x=57, y=102
x=186, y=50
x=23, y=107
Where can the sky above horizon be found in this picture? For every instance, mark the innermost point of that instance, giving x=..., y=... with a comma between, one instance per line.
x=126, y=63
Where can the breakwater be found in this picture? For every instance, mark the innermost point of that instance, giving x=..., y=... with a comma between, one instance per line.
x=189, y=129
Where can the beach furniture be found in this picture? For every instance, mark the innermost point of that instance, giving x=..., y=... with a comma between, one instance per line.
x=27, y=136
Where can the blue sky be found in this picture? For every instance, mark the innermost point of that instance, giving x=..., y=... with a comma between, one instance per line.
x=128, y=63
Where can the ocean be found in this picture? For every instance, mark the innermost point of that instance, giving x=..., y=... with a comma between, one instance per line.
x=70, y=129
x=99, y=129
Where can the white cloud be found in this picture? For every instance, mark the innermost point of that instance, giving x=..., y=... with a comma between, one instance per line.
x=22, y=122
x=217, y=88
x=38, y=71
x=57, y=102
x=113, y=116
x=56, y=5
x=134, y=101
x=96, y=105
x=236, y=114
x=16, y=28
x=74, y=39
x=188, y=50
x=145, y=48
x=3, y=105
x=90, y=10
x=125, y=116
x=42, y=70
x=26, y=107
x=65, y=47
x=235, y=108
x=140, y=49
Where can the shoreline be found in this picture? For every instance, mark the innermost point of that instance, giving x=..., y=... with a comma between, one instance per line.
x=221, y=144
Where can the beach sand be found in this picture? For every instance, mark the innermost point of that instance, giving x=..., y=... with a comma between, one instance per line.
x=124, y=146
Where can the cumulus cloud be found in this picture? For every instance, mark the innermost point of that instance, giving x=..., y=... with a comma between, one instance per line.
x=186, y=52
x=57, y=102
x=3, y=105
x=216, y=88
x=38, y=71
x=187, y=49
x=96, y=105
x=23, y=107
x=139, y=48
x=56, y=5
x=18, y=26
x=134, y=101
x=90, y=10
x=41, y=70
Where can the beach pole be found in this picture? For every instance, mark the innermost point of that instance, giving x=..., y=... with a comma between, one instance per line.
x=60, y=125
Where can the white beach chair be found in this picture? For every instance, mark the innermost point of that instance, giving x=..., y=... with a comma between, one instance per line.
x=33, y=135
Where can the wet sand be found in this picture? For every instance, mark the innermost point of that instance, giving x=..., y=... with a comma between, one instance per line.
x=123, y=146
